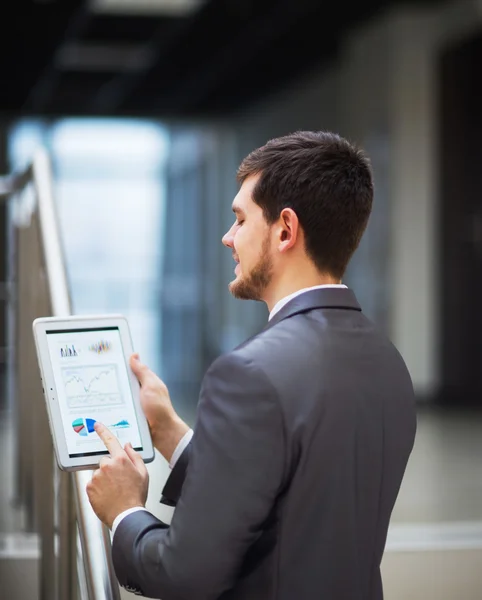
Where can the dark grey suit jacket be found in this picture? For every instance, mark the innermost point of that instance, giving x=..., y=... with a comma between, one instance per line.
x=286, y=490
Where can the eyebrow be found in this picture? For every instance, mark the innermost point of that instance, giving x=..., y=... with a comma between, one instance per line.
x=238, y=210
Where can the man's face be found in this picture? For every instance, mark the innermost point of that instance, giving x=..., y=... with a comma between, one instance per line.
x=250, y=241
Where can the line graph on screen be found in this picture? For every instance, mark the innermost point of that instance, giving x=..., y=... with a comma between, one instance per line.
x=92, y=386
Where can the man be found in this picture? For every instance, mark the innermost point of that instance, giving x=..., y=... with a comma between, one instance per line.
x=303, y=432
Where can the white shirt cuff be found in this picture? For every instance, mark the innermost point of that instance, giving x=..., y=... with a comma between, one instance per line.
x=124, y=514
x=181, y=447
x=177, y=453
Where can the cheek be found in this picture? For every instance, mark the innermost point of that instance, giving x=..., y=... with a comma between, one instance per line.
x=239, y=240
x=247, y=245
x=243, y=244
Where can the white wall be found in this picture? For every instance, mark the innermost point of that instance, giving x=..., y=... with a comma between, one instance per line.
x=382, y=93
x=418, y=38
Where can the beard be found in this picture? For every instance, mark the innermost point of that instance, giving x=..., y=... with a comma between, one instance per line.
x=252, y=285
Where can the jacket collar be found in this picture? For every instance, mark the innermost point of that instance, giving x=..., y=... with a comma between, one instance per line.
x=342, y=298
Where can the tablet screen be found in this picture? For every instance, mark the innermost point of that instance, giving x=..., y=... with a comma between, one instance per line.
x=92, y=383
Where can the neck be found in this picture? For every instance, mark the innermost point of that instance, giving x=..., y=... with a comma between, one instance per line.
x=292, y=281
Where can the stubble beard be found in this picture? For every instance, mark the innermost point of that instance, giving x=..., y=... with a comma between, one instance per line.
x=252, y=285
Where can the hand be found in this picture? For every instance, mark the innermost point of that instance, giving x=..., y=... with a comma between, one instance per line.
x=166, y=428
x=120, y=482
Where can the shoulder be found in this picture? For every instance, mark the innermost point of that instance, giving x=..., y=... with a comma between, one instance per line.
x=277, y=345
x=252, y=367
x=252, y=354
x=238, y=389
x=239, y=365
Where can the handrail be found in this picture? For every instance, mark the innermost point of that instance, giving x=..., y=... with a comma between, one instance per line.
x=56, y=503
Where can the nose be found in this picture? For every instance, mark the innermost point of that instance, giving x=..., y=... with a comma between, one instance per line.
x=228, y=239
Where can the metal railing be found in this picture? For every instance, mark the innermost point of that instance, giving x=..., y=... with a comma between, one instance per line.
x=75, y=548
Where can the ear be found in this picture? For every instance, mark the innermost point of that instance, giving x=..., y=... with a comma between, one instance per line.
x=289, y=229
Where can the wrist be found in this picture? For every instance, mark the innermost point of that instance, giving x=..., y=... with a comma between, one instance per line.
x=123, y=512
x=167, y=438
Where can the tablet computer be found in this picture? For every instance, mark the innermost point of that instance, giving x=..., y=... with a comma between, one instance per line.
x=84, y=367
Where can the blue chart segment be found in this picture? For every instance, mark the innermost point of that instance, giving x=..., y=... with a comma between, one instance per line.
x=83, y=426
x=92, y=386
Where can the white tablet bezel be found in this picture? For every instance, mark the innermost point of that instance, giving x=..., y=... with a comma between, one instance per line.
x=40, y=327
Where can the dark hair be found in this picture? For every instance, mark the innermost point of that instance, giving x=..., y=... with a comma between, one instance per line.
x=328, y=183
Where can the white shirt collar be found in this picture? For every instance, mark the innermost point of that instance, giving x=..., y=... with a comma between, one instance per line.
x=279, y=305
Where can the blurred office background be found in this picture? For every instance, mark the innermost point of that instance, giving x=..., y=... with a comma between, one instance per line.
x=146, y=108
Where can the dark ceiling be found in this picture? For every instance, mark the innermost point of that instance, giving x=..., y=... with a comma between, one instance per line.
x=61, y=57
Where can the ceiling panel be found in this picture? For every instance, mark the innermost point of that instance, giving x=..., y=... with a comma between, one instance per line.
x=174, y=8
x=127, y=28
x=197, y=58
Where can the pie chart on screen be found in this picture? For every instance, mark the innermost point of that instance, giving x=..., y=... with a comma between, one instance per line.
x=83, y=426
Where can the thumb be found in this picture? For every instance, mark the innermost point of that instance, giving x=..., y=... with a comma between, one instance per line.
x=135, y=458
x=140, y=370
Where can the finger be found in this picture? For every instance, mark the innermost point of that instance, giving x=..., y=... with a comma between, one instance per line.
x=105, y=460
x=89, y=488
x=135, y=457
x=140, y=370
x=111, y=442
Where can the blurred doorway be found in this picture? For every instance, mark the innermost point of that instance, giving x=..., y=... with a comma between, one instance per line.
x=461, y=223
